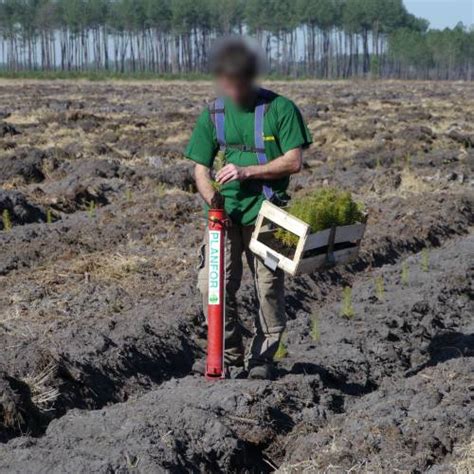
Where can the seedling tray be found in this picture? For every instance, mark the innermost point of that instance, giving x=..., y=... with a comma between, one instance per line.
x=314, y=251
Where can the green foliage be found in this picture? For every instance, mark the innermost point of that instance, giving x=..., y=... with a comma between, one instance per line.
x=380, y=287
x=7, y=222
x=375, y=67
x=129, y=195
x=173, y=36
x=49, y=217
x=161, y=190
x=347, y=310
x=219, y=163
x=425, y=260
x=315, y=330
x=282, y=351
x=322, y=209
x=91, y=207
x=405, y=277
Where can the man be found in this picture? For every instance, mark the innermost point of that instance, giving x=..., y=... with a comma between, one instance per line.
x=261, y=135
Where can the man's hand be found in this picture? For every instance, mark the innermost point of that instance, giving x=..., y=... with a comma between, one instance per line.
x=231, y=173
x=286, y=165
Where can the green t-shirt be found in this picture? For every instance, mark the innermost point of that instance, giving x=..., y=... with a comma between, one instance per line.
x=284, y=130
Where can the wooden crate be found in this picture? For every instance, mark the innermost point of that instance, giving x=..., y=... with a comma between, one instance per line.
x=319, y=251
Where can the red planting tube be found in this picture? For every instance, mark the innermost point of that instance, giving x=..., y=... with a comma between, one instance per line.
x=216, y=301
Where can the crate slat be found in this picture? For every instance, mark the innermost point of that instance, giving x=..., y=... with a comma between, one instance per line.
x=349, y=233
x=320, y=239
x=283, y=219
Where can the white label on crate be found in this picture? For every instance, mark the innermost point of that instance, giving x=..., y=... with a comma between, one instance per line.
x=214, y=266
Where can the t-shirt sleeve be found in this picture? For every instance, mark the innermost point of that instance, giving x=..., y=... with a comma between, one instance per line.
x=292, y=129
x=203, y=146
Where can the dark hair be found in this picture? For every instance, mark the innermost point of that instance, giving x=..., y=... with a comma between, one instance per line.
x=235, y=57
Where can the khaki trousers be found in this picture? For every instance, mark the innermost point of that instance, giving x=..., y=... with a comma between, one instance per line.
x=270, y=318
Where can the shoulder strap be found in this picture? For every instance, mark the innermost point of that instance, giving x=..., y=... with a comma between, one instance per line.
x=218, y=117
x=259, y=140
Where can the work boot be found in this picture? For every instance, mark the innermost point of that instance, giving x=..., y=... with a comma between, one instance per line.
x=262, y=372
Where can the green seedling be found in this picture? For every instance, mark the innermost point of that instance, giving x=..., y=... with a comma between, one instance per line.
x=407, y=161
x=91, y=209
x=128, y=195
x=405, y=274
x=161, y=190
x=7, y=222
x=347, y=309
x=380, y=288
x=322, y=209
x=219, y=163
x=282, y=351
x=315, y=331
x=49, y=217
x=425, y=260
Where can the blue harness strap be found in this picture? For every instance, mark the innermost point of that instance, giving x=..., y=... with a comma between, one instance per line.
x=219, y=120
x=260, y=143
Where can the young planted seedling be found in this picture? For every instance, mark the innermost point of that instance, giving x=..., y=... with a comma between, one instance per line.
x=407, y=161
x=161, y=190
x=91, y=209
x=380, y=287
x=425, y=260
x=128, y=195
x=347, y=309
x=219, y=163
x=282, y=351
x=315, y=331
x=7, y=222
x=49, y=217
x=405, y=274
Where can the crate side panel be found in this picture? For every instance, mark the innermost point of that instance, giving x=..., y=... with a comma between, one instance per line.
x=349, y=233
x=319, y=239
x=312, y=264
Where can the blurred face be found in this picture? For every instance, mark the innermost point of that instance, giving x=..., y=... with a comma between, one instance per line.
x=239, y=90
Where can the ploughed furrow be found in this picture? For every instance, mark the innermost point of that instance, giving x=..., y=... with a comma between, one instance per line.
x=397, y=365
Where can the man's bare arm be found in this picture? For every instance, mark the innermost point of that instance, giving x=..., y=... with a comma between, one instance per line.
x=202, y=175
x=286, y=165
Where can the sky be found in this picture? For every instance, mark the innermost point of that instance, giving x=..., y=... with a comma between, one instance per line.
x=443, y=13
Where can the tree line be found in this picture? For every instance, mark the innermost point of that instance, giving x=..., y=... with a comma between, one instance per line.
x=317, y=38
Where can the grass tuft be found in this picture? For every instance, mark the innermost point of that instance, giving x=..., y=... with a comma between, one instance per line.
x=42, y=395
